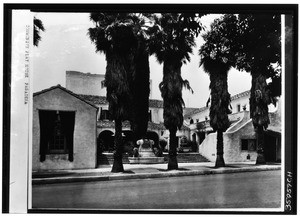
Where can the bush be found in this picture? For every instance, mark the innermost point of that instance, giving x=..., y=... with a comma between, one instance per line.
x=128, y=148
x=193, y=145
x=135, y=152
x=163, y=144
x=180, y=150
x=158, y=152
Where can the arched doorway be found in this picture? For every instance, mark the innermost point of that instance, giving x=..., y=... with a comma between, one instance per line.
x=105, y=141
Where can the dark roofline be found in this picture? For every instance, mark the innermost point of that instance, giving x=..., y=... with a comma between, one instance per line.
x=66, y=90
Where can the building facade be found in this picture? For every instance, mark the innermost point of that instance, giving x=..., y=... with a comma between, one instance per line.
x=87, y=86
x=70, y=129
x=64, y=130
x=240, y=138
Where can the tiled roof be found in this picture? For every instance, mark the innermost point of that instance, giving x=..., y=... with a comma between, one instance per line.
x=126, y=124
x=102, y=100
x=198, y=110
x=195, y=111
x=97, y=100
x=245, y=93
x=66, y=90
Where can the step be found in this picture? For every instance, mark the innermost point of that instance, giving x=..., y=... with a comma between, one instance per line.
x=108, y=159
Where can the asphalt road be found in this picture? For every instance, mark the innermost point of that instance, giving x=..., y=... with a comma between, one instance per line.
x=236, y=190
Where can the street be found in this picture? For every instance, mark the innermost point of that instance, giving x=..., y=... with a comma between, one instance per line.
x=236, y=190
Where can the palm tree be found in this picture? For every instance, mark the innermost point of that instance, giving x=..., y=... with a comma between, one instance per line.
x=217, y=57
x=261, y=47
x=122, y=39
x=220, y=100
x=38, y=27
x=140, y=87
x=114, y=37
x=172, y=39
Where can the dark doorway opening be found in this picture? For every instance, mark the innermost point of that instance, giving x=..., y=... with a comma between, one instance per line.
x=56, y=133
x=105, y=141
x=201, y=137
x=272, y=145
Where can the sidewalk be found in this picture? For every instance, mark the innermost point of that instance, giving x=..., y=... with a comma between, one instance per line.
x=144, y=171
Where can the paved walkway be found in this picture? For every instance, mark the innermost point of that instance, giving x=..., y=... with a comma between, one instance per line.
x=142, y=171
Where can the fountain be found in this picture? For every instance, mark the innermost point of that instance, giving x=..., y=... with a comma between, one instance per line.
x=146, y=155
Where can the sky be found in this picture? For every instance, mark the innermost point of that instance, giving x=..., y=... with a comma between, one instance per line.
x=66, y=46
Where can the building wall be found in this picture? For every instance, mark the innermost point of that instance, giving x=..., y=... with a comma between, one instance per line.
x=85, y=83
x=199, y=116
x=232, y=143
x=89, y=84
x=242, y=101
x=157, y=115
x=84, y=145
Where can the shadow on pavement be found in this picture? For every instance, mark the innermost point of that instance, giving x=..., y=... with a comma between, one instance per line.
x=129, y=172
x=51, y=175
x=179, y=169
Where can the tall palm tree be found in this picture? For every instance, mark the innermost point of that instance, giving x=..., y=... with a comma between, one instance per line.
x=140, y=87
x=38, y=27
x=220, y=101
x=172, y=39
x=114, y=37
x=217, y=57
x=122, y=39
x=260, y=37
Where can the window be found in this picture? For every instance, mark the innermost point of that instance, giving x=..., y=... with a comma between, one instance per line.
x=238, y=108
x=56, y=133
x=197, y=120
x=191, y=121
x=57, y=143
x=104, y=115
x=248, y=144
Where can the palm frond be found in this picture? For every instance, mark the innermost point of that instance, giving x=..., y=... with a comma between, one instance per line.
x=38, y=27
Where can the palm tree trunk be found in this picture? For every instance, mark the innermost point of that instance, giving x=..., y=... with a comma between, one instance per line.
x=260, y=146
x=172, y=164
x=220, y=160
x=118, y=164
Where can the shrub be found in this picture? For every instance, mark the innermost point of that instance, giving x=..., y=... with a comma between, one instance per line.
x=135, y=152
x=158, y=152
x=162, y=144
x=128, y=148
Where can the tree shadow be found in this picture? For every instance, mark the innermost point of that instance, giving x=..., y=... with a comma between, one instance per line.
x=128, y=172
x=226, y=166
x=179, y=169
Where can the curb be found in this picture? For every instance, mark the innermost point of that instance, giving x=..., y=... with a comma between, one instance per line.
x=120, y=176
